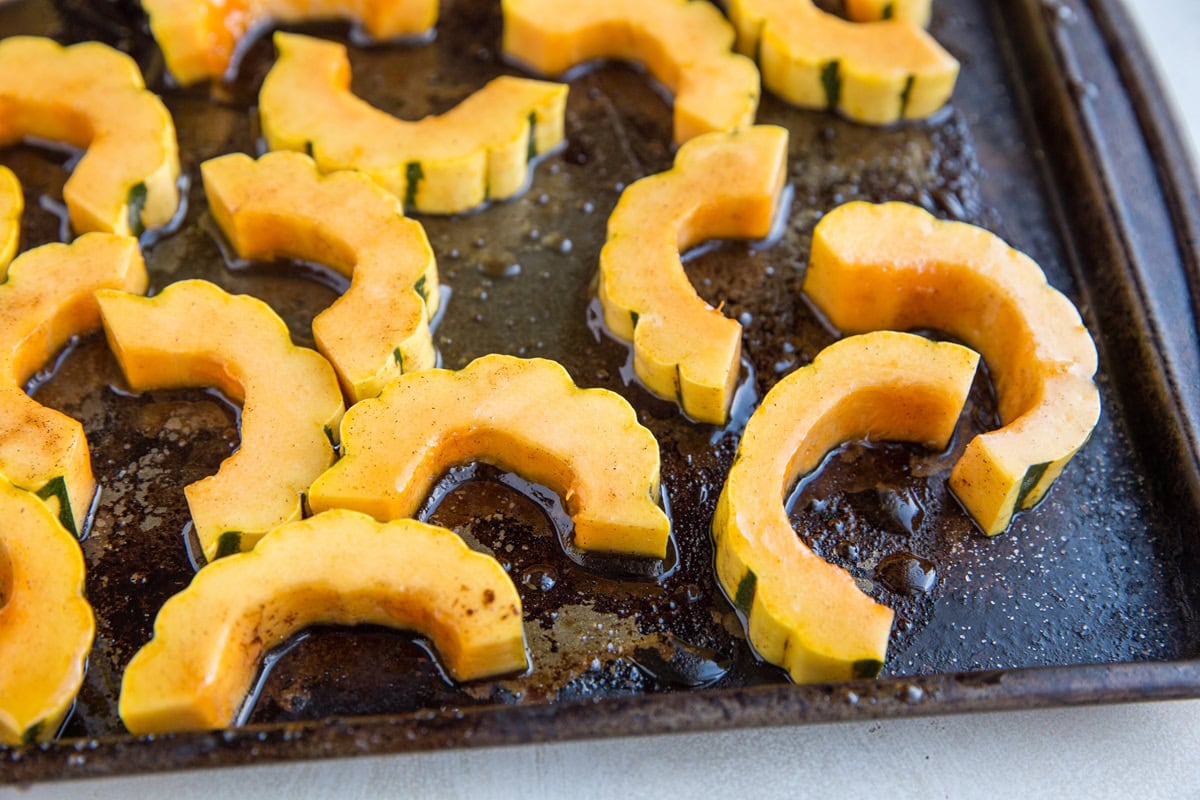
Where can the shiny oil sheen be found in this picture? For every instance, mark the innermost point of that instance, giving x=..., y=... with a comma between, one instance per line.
x=1092, y=575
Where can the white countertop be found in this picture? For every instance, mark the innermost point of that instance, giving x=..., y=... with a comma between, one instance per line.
x=1150, y=750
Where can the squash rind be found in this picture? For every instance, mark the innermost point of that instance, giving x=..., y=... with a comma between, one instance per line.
x=194, y=334
x=686, y=46
x=803, y=613
x=46, y=625
x=199, y=38
x=895, y=266
x=518, y=414
x=721, y=186
x=91, y=96
x=339, y=567
x=476, y=152
x=875, y=73
x=48, y=298
x=281, y=206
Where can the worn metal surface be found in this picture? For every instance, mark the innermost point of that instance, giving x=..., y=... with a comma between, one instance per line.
x=1052, y=141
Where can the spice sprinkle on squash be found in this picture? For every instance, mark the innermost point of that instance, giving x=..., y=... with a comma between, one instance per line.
x=481, y=150
x=686, y=46
x=281, y=206
x=46, y=624
x=339, y=568
x=48, y=298
x=803, y=613
x=92, y=97
x=721, y=186
x=876, y=73
x=195, y=335
x=518, y=414
x=199, y=39
x=896, y=267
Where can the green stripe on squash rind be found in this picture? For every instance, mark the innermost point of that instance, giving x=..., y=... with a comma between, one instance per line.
x=56, y=488
x=743, y=600
x=906, y=95
x=228, y=544
x=32, y=733
x=832, y=83
x=866, y=668
x=1033, y=477
x=532, y=151
x=136, y=201
x=413, y=175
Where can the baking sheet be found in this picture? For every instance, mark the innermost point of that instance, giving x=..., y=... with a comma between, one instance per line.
x=1100, y=573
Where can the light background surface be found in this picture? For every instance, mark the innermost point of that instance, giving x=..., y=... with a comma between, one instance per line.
x=1141, y=751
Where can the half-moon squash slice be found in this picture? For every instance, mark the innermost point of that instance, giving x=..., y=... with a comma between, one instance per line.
x=46, y=625
x=196, y=335
x=721, y=186
x=199, y=38
x=896, y=267
x=803, y=613
x=92, y=97
x=48, y=298
x=524, y=415
x=12, y=203
x=280, y=205
x=876, y=72
x=478, y=151
x=340, y=568
x=686, y=46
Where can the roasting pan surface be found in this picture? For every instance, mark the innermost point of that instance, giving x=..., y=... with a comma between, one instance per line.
x=1057, y=140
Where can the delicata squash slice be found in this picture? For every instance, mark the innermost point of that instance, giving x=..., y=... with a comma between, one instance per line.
x=280, y=205
x=721, y=186
x=803, y=613
x=196, y=335
x=524, y=415
x=478, y=151
x=896, y=267
x=340, y=568
x=48, y=298
x=686, y=46
x=12, y=203
x=875, y=73
x=92, y=97
x=199, y=38
x=46, y=625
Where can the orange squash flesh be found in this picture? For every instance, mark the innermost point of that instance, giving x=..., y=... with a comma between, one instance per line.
x=193, y=334
x=721, y=186
x=805, y=614
x=875, y=73
x=519, y=414
x=91, y=96
x=280, y=205
x=896, y=267
x=46, y=625
x=12, y=203
x=478, y=151
x=685, y=45
x=914, y=11
x=339, y=568
x=199, y=38
x=48, y=298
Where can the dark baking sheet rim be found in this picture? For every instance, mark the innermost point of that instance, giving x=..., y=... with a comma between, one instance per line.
x=1087, y=146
